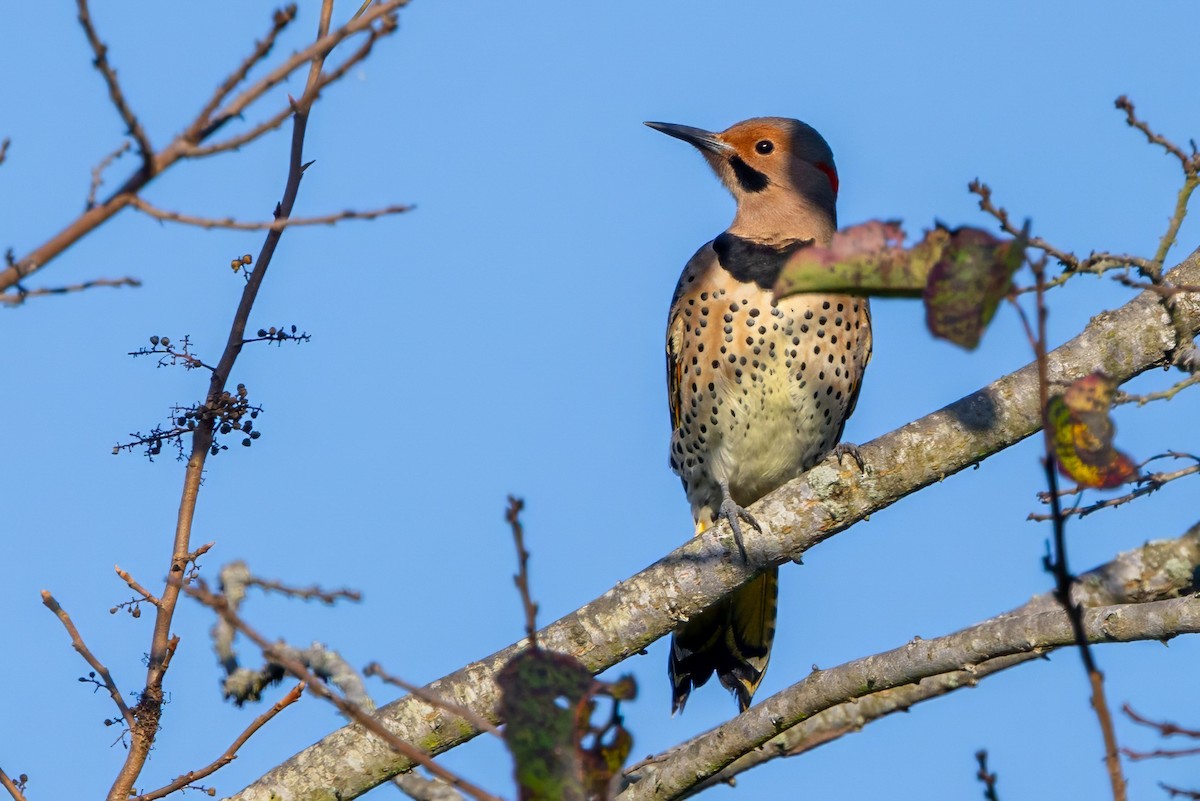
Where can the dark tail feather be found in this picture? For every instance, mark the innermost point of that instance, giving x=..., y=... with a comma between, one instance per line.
x=732, y=638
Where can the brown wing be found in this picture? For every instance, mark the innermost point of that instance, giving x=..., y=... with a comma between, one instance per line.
x=862, y=356
x=674, y=366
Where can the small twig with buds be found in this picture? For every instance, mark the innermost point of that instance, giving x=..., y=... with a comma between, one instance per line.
x=78, y=644
x=21, y=294
x=135, y=586
x=15, y=788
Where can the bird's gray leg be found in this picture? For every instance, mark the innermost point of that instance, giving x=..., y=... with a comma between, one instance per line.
x=731, y=512
x=843, y=449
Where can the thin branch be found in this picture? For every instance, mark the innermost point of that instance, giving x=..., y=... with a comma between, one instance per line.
x=1163, y=290
x=278, y=224
x=433, y=699
x=262, y=48
x=230, y=753
x=1190, y=164
x=305, y=593
x=1152, y=483
x=987, y=779
x=319, y=49
x=1164, y=728
x=78, y=644
x=353, y=711
x=98, y=173
x=14, y=789
x=984, y=192
x=136, y=587
x=1179, y=792
x=4, y=143
x=386, y=27
x=114, y=88
x=21, y=295
x=513, y=516
x=1166, y=394
x=1161, y=753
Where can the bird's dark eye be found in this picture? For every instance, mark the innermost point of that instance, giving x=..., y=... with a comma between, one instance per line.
x=765, y=146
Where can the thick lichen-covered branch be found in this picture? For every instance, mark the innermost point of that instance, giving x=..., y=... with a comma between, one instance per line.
x=826, y=500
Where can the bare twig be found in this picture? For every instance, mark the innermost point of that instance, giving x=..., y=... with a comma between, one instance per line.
x=1179, y=792
x=353, y=711
x=14, y=787
x=376, y=21
x=984, y=192
x=136, y=587
x=1056, y=564
x=1153, y=483
x=262, y=48
x=89, y=657
x=513, y=516
x=230, y=753
x=114, y=88
x=1163, y=290
x=98, y=173
x=1165, y=728
x=1161, y=753
x=988, y=780
x=386, y=26
x=305, y=593
x=21, y=295
x=433, y=699
x=4, y=143
x=278, y=224
x=1166, y=394
x=1190, y=163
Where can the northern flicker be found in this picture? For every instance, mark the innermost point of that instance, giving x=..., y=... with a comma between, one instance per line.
x=759, y=388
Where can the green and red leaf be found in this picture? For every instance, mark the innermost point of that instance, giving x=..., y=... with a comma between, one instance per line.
x=1083, y=434
x=962, y=274
x=547, y=702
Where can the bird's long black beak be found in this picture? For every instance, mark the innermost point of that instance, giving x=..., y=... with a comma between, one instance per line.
x=704, y=140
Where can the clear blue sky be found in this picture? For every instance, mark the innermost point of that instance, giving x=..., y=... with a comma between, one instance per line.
x=507, y=337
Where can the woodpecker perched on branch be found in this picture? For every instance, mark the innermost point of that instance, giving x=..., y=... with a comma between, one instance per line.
x=759, y=388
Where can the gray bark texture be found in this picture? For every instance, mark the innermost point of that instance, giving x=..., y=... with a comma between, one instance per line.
x=811, y=508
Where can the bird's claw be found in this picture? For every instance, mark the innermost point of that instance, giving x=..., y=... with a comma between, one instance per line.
x=844, y=449
x=732, y=513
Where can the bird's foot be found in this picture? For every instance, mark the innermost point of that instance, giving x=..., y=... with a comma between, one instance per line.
x=844, y=449
x=735, y=514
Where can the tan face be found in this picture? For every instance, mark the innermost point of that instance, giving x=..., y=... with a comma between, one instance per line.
x=759, y=153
